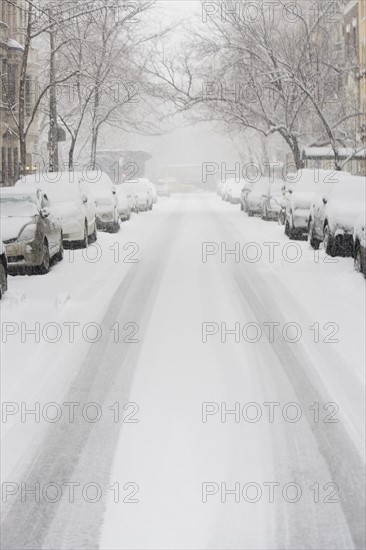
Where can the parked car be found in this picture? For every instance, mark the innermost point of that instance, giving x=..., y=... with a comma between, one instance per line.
x=141, y=193
x=318, y=207
x=150, y=190
x=3, y=270
x=233, y=190
x=125, y=206
x=105, y=197
x=271, y=200
x=285, y=194
x=255, y=196
x=30, y=229
x=359, y=243
x=162, y=188
x=299, y=199
x=334, y=214
x=75, y=206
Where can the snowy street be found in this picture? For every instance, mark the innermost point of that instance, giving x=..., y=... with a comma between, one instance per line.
x=194, y=381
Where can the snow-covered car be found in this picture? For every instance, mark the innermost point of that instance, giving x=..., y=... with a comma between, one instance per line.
x=150, y=190
x=233, y=191
x=255, y=196
x=3, y=270
x=104, y=194
x=272, y=200
x=30, y=230
x=317, y=213
x=162, y=188
x=73, y=202
x=342, y=207
x=285, y=194
x=299, y=200
x=359, y=243
x=141, y=194
x=125, y=205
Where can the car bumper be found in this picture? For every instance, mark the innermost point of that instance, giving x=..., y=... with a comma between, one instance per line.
x=235, y=200
x=300, y=218
x=26, y=254
x=255, y=208
x=272, y=213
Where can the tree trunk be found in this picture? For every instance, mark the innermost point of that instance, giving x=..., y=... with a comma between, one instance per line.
x=22, y=83
x=53, y=137
x=71, y=153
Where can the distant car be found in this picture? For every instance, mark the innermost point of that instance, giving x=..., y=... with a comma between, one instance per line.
x=104, y=193
x=359, y=243
x=255, y=196
x=272, y=200
x=341, y=204
x=30, y=230
x=285, y=195
x=125, y=206
x=3, y=270
x=162, y=188
x=141, y=194
x=150, y=190
x=233, y=190
x=75, y=206
x=299, y=199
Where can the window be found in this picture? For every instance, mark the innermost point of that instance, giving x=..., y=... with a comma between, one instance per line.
x=11, y=91
x=16, y=163
x=3, y=165
x=10, y=163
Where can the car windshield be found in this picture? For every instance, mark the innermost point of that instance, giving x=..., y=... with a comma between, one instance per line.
x=308, y=181
x=260, y=187
x=105, y=200
x=135, y=187
x=60, y=192
x=276, y=187
x=352, y=190
x=18, y=206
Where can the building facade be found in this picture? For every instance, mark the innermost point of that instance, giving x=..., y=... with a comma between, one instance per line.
x=12, y=27
x=362, y=67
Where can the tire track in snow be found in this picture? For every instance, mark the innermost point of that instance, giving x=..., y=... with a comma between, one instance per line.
x=81, y=451
x=333, y=441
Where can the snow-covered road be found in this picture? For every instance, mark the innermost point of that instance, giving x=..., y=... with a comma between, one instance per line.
x=155, y=428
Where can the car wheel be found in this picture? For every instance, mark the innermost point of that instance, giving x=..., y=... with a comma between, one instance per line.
x=358, y=259
x=93, y=237
x=60, y=254
x=84, y=242
x=45, y=265
x=329, y=242
x=241, y=207
x=250, y=213
x=287, y=228
x=291, y=231
x=115, y=227
x=264, y=214
x=313, y=241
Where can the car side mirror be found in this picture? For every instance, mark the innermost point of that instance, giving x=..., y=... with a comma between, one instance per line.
x=325, y=200
x=114, y=190
x=45, y=212
x=290, y=190
x=84, y=198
